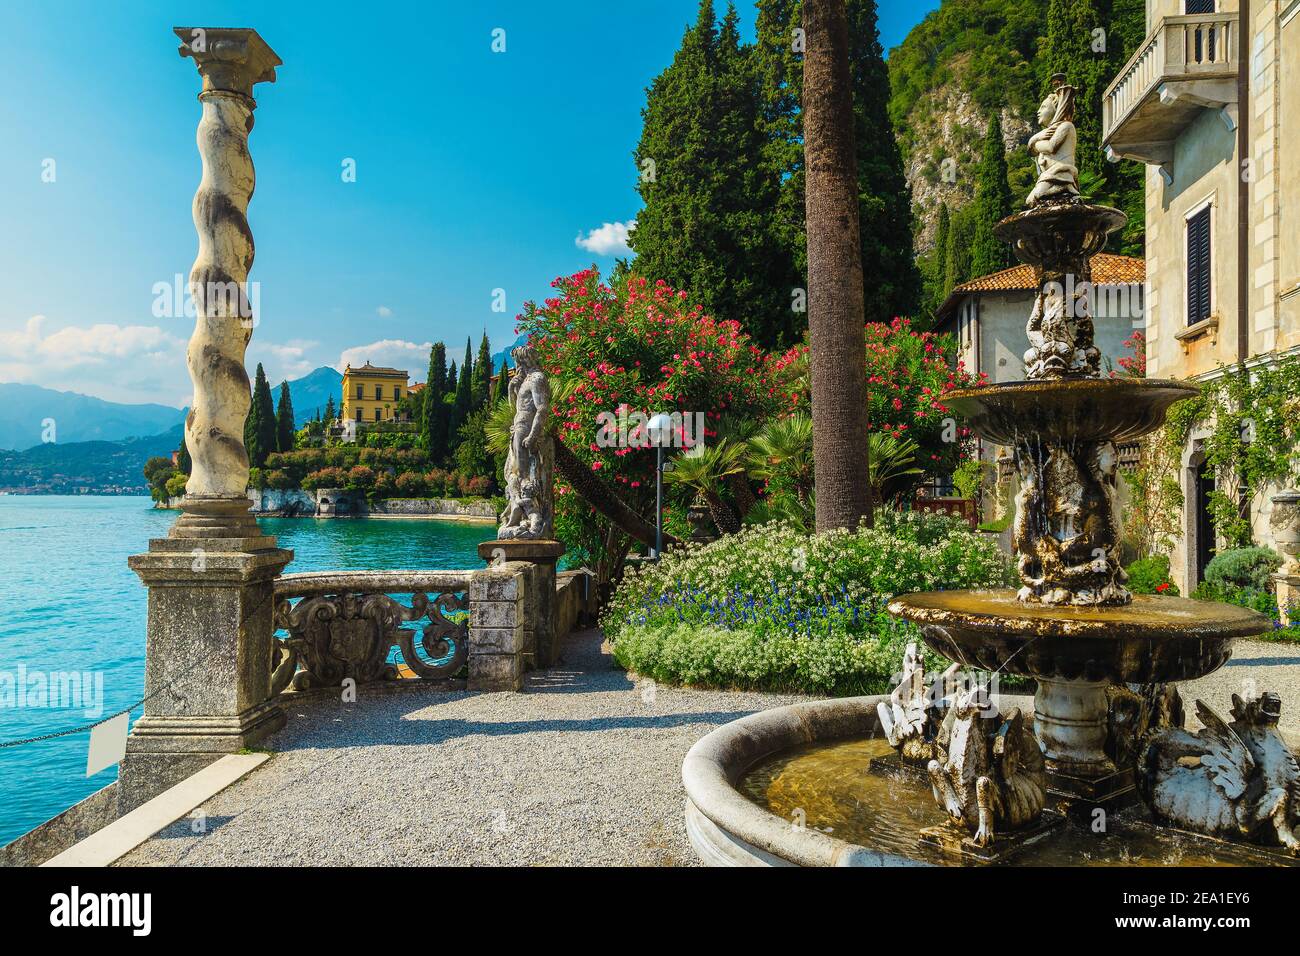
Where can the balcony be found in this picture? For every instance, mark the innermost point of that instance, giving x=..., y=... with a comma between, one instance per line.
x=1186, y=65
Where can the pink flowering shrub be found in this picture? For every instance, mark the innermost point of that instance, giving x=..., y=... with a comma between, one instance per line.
x=908, y=375
x=640, y=348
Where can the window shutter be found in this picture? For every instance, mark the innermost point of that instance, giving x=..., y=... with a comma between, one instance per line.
x=1198, y=267
x=1191, y=7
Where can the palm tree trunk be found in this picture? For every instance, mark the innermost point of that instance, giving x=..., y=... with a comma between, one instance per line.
x=835, y=293
x=738, y=485
x=596, y=494
x=721, y=513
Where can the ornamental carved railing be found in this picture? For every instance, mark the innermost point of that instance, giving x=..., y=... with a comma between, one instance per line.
x=344, y=624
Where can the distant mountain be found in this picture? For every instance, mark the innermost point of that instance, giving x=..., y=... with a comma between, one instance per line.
x=88, y=467
x=505, y=353
x=76, y=418
x=311, y=392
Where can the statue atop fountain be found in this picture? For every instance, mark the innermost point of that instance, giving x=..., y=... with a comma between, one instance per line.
x=1053, y=147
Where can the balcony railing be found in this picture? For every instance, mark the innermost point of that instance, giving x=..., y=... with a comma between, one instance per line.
x=345, y=625
x=1188, y=62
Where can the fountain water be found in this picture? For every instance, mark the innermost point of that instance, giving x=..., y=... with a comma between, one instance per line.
x=1106, y=716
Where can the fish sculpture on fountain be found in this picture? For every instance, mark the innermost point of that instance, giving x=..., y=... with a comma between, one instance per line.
x=1236, y=780
x=988, y=771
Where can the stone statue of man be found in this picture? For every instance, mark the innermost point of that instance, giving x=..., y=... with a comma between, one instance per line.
x=529, y=510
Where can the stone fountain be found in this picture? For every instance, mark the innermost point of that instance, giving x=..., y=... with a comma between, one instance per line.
x=1073, y=626
x=1106, y=729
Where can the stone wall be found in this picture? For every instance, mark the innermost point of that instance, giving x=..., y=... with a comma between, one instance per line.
x=288, y=503
x=417, y=507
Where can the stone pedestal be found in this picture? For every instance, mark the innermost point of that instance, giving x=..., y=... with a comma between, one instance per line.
x=542, y=638
x=208, y=648
x=1288, y=596
x=499, y=634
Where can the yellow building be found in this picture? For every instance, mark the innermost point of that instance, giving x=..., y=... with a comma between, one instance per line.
x=371, y=393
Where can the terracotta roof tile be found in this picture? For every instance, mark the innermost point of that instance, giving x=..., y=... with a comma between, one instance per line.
x=1107, y=269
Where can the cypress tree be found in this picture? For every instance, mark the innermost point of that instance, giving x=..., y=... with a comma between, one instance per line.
x=884, y=197
x=483, y=380
x=502, y=384
x=284, y=420
x=434, y=422
x=331, y=412
x=462, y=400
x=183, y=460
x=259, y=427
x=1127, y=180
x=707, y=225
x=957, y=261
x=993, y=203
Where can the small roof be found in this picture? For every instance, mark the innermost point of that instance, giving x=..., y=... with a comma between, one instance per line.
x=369, y=369
x=1107, y=269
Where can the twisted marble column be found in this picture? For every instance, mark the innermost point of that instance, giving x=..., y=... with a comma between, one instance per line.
x=230, y=62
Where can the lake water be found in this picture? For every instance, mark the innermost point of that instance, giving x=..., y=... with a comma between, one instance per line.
x=72, y=605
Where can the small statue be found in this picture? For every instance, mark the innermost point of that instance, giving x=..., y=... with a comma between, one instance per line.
x=989, y=772
x=528, y=513
x=1053, y=148
x=911, y=718
x=1230, y=780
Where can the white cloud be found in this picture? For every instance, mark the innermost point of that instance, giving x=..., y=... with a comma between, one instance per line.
x=281, y=361
x=124, y=363
x=395, y=353
x=609, y=240
x=383, y=311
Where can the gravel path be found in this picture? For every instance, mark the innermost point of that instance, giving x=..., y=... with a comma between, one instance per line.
x=1256, y=666
x=583, y=768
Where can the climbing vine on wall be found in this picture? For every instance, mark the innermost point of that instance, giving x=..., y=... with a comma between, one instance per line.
x=1253, y=417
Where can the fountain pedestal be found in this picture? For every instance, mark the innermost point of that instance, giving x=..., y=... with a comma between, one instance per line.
x=1077, y=654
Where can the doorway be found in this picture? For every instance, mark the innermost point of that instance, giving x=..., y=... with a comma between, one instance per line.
x=1205, y=539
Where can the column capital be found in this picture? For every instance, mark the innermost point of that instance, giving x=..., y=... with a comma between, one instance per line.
x=230, y=59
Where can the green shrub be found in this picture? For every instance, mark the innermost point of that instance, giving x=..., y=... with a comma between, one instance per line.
x=773, y=608
x=1151, y=576
x=1265, y=602
x=1250, y=568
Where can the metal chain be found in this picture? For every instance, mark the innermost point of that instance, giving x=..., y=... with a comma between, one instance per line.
x=126, y=710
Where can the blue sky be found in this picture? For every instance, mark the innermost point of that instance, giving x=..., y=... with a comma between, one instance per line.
x=475, y=171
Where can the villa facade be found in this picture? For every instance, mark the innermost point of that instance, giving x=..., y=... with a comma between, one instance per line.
x=1224, y=269
x=371, y=393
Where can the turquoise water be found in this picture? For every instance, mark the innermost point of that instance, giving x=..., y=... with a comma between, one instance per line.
x=72, y=605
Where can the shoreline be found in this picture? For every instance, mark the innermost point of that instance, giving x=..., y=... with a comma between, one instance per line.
x=464, y=519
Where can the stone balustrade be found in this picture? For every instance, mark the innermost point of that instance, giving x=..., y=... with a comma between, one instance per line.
x=1185, y=64
x=339, y=626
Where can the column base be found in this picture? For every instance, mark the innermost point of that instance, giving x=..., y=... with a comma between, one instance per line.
x=1288, y=596
x=225, y=520
x=163, y=751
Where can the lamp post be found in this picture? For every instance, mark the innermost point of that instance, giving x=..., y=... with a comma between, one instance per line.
x=660, y=430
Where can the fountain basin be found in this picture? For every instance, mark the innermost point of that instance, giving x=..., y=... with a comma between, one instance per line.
x=727, y=829
x=745, y=779
x=1049, y=234
x=1074, y=410
x=1154, y=639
